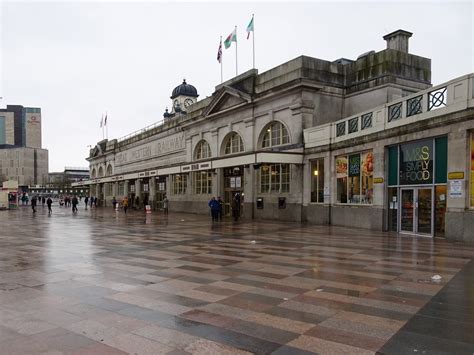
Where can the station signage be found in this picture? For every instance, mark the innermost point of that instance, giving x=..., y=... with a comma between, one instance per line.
x=416, y=163
x=159, y=147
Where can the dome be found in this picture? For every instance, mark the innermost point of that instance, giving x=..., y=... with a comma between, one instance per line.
x=185, y=90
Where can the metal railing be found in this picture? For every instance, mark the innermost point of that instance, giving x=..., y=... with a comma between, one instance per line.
x=419, y=106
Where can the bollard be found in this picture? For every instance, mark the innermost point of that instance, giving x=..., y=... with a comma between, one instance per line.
x=148, y=209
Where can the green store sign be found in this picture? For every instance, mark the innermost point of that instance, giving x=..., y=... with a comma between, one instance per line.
x=416, y=163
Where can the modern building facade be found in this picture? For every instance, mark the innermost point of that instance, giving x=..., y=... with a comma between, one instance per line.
x=363, y=143
x=21, y=157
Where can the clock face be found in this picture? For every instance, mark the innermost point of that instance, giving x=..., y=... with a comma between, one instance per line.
x=176, y=103
x=188, y=102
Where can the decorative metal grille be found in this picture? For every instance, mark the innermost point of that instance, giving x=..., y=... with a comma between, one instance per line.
x=340, y=129
x=394, y=112
x=414, y=105
x=366, y=120
x=437, y=99
x=353, y=124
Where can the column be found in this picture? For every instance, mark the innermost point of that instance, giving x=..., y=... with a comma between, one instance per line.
x=152, y=187
x=114, y=189
x=125, y=187
x=138, y=193
x=106, y=194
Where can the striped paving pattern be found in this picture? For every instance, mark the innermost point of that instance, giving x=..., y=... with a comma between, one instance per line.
x=105, y=283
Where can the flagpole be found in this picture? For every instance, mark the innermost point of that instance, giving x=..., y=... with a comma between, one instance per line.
x=236, y=70
x=253, y=40
x=222, y=57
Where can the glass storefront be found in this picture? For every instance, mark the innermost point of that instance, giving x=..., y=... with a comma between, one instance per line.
x=417, y=174
x=354, y=175
x=317, y=180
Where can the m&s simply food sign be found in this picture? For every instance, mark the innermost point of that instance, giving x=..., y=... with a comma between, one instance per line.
x=416, y=163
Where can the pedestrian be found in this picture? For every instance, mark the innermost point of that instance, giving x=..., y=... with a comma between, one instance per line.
x=92, y=201
x=43, y=200
x=165, y=205
x=236, y=207
x=114, y=202
x=125, y=204
x=86, y=201
x=49, y=202
x=221, y=208
x=33, y=204
x=214, y=205
x=74, y=202
x=95, y=202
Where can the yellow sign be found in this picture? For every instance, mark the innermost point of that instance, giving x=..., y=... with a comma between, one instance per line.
x=456, y=175
x=378, y=180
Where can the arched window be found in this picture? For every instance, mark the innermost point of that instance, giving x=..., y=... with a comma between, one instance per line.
x=233, y=144
x=93, y=174
x=101, y=172
x=109, y=170
x=275, y=134
x=202, y=151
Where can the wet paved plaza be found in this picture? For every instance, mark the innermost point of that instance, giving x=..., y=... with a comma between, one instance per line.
x=105, y=283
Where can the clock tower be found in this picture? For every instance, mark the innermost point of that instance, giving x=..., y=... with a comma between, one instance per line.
x=182, y=97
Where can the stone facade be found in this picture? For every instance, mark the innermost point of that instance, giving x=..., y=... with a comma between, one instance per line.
x=284, y=119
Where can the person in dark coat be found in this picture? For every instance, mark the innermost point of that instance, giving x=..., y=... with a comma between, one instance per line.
x=221, y=208
x=33, y=204
x=236, y=207
x=49, y=202
x=86, y=201
x=74, y=202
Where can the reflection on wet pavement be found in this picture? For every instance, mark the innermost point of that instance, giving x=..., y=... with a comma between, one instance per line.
x=102, y=282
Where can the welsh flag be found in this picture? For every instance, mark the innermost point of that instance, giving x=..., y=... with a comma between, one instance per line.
x=231, y=38
x=250, y=28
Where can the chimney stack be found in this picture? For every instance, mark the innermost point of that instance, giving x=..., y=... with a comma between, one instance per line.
x=398, y=40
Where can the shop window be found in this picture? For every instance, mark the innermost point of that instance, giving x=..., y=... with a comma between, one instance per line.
x=202, y=182
x=472, y=170
x=234, y=144
x=275, y=178
x=202, y=151
x=354, y=174
x=275, y=134
x=179, y=184
x=317, y=181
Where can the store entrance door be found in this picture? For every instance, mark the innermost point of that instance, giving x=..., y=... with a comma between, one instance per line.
x=416, y=210
x=233, y=184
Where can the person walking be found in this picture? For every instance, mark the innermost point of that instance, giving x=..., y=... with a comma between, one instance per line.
x=214, y=205
x=86, y=201
x=221, y=208
x=165, y=205
x=33, y=204
x=236, y=207
x=95, y=202
x=74, y=202
x=114, y=203
x=125, y=204
x=49, y=202
x=43, y=200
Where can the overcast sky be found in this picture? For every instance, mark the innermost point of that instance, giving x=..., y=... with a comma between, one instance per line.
x=77, y=60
